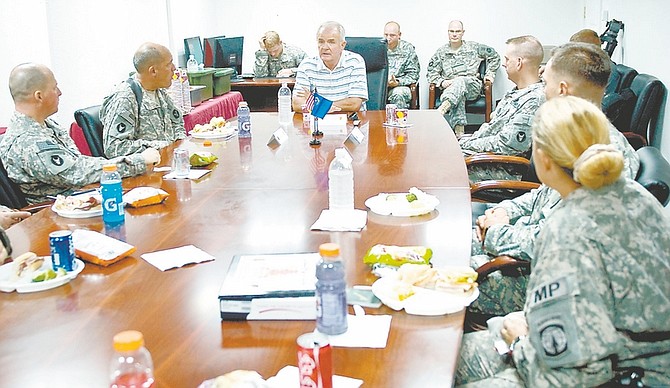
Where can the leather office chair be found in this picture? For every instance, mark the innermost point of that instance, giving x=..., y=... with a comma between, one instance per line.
x=638, y=117
x=375, y=53
x=493, y=191
x=89, y=121
x=622, y=76
x=482, y=105
x=10, y=193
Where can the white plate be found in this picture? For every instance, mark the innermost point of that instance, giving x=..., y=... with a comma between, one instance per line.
x=395, y=204
x=8, y=283
x=81, y=213
x=228, y=132
x=424, y=301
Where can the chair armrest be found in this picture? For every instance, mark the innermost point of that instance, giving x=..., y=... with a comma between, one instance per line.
x=505, y=185
x=414, y=92
x=654, y=173
x=37, y=207
x=431, y=96
x=494, y=158
x=488, y=95
x=497, y=264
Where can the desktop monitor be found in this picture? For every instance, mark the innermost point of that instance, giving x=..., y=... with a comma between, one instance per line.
x=210, y=50
x=229, y=53
x=193, y=46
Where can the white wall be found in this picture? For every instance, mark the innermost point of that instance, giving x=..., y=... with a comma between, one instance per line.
x=89, y=43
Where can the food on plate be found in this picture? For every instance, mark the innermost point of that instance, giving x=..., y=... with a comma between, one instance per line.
x=396, y=256
x=26, y=264
x=411, y=197
x=202, y=158
x=460, y=281
x=217, y=125
x=240, y=378
x=77, y=202
x=48, y=274
x=144, y=196
x=403, y=290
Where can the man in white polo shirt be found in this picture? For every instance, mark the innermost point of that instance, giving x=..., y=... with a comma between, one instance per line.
x=336, y=74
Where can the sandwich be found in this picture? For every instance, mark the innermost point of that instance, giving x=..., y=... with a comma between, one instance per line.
x=26, y=264
x=461, y=281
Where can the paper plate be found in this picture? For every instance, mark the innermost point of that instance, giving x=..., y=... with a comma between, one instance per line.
x=81, y=213
x=225, y=132
x=9, y=283
x=423, y=302
x=396, y=204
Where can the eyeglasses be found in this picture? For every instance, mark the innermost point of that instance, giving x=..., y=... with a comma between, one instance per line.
x=455, y=31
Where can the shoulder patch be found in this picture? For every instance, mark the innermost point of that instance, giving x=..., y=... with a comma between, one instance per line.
x=521, y=136
x=176, y=113
x=550, y=290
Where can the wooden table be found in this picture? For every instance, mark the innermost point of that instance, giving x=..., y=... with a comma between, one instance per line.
x=256, y=200
x=261, y=93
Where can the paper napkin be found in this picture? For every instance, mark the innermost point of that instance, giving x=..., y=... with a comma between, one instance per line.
x=364, y=331
x=176, y=257
x=341, y=220
x=195, y=173
x=289, y=376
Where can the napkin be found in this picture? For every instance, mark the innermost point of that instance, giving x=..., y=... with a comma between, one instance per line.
x=195, y=173
x=176, y=257
x=289, y=376
x=364, y=331
x=341, y=220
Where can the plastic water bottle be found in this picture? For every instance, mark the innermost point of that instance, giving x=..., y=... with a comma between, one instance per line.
x=284, y=98
x=341, y=181
x=191, y=64
x=331, y=295
x=131, y=365
x=243, y=120
x=113, y=211
x=185, y=92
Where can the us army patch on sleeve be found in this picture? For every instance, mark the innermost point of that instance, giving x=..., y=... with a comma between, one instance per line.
x=55, y=159
x=122, y=126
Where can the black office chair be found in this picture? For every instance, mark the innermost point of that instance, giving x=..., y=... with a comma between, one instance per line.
x=10, y=193
x=617, y=92
x=375, y=53
x=89, y=121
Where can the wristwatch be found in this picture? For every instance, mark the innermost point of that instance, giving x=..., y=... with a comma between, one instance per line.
x=513, y=344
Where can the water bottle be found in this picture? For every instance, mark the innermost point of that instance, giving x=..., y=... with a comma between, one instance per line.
x=284, y=97
x=185, y=92
x=243, y=120
x=191, y=64
x=131, y=365
x=331, y=294
x=113, y=211
x=341, y=181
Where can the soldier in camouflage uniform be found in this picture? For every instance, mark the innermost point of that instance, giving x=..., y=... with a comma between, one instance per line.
x=603, y=308
x=39, y=155
x=508, y=132
x=404, y=66
x=128, y=129
x=517, y=222
x=276, y=59
x=455, y=68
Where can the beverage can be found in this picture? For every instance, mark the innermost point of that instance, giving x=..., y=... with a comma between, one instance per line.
x=391, y=113
x=181, y=165
x=62, y=249
x=401, y=116
x=315, y=361
x=306, y=117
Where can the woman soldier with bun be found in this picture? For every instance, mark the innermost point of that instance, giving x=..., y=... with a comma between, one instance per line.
x=598, y=297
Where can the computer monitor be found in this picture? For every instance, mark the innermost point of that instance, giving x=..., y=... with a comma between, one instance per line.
x=210, y=50
x=193, y=46
x=229, y=53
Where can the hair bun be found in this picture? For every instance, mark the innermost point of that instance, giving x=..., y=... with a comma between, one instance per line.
x=598, y=165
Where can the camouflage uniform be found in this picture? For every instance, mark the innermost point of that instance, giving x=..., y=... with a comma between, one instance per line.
x=461, y=66
x=508, y=133
x=603, y=307
x=266, y=66
x=43, y=160
x=404, y=64
x=501, y=294
x=160, y=122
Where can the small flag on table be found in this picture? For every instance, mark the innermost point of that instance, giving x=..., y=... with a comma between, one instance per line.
x=318, y=105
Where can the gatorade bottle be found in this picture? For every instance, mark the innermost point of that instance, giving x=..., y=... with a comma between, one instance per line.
x=131, y=365
x=331, y=295
x=113, y=211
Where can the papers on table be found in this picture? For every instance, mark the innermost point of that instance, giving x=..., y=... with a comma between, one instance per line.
x=195, y=173
x=289, y=376
x=364, y=331
x=341, y=220
x=176, y=257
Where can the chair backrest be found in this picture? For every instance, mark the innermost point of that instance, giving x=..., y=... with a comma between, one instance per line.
x=654, y=173
x=650, y=93
x=620, y=78
x=89, y=121
x=375, y=53
x=10, y=193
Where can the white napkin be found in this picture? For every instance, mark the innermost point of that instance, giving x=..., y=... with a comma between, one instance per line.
x=288, y=376
x=176, y=257
x=364, y=331
x=195, y=173
x=341, y=220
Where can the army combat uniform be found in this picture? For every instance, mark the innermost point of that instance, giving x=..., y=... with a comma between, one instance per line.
x=508, y=133
x=43, y=160
x=461, y=66
x=501, y=294
x=159, y=124
x=266, y=66
x=404, y=65
x=602, y=308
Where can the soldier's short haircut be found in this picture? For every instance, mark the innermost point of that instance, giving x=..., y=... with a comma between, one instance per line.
x=586, y=36
x=147, y=55
x=25, y=79
x=332, y=25
x=271, y=39
x=582, y=61
x=394, y=23
x=529, y=48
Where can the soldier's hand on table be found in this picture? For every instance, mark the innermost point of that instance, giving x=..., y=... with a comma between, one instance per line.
x=285, y=73
x=9, y=218
x=151, y=156
x=513, y=327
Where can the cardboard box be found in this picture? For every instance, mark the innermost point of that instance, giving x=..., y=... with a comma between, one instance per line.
x=222, y=81
x=203, y=77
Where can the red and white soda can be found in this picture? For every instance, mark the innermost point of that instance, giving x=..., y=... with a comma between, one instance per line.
x=315, y=361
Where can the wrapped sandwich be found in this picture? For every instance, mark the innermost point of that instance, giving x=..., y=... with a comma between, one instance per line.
x=396, y=256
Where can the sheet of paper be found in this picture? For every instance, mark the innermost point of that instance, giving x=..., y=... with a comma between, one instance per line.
x=288, y=376
x=195, y=173
x=364, y=331
x=176, y=257
x=341, y=220
x=283, y=309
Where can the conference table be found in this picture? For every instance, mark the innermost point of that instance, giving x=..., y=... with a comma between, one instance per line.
x=256, y=200
x=261, y=92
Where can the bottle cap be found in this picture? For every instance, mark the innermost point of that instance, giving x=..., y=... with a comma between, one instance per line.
x=243, y=103
x=109, y=167
x=329, y=250
x=128, y=341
